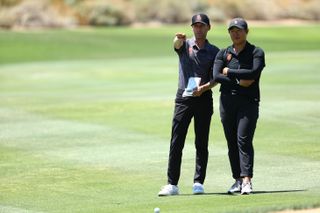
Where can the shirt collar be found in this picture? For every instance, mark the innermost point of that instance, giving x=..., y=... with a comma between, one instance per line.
x=230, y=49
x=194, y=45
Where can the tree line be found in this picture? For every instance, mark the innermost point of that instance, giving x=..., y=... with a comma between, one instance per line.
x=72, y=13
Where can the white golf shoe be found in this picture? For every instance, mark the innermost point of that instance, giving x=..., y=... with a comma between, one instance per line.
x=168, y=190
x=236, y=187
x=197, y=189
x=246, y=188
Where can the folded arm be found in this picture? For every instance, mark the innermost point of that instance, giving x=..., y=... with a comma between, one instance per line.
x=249, y=74
x=218, y=66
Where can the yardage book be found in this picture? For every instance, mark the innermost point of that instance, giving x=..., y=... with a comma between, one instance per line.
x=193, y=83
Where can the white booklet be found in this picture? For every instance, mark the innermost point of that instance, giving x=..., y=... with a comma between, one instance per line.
x=193, y=83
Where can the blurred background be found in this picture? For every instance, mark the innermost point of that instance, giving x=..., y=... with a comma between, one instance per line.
x=72, y=13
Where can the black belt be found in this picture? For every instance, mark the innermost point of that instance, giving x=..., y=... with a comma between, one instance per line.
x=230, y=92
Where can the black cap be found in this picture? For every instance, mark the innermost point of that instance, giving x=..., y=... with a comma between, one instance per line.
x=200, y=18
x=238, y=23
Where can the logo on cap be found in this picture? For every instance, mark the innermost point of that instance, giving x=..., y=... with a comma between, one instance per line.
x=198, y=18
x=239, y=23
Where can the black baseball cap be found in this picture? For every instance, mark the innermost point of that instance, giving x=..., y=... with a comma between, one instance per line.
x=238, y=23
x=200, y=18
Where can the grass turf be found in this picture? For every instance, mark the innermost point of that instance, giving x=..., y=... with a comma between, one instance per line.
x=86, y=116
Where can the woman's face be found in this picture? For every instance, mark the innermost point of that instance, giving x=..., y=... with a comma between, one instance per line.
x=238, y=36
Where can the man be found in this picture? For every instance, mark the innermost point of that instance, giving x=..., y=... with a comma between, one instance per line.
x=238, y=69
x=193, y=100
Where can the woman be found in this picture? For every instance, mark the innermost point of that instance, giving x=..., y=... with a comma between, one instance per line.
x=238, y=68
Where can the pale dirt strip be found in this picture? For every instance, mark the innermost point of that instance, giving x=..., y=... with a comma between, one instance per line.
x=300, y=211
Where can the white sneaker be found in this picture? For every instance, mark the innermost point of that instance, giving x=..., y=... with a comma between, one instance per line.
x=197, y=188
x=246, y=188
x=236, y=187
x=168, y=190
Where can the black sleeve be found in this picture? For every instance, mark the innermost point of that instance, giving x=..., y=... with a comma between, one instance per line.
x=217, y=68
x=257, y=67
x=179, y=51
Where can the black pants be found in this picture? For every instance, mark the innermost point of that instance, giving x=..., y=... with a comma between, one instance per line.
x=239, y=115
x=201, y=109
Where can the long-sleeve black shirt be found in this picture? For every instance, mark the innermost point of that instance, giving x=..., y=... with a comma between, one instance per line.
x=248, y=64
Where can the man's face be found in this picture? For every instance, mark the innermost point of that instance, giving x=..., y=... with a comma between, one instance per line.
x=238, y=36
x=200, y=30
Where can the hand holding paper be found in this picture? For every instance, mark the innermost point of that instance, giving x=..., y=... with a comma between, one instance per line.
x=193, y=83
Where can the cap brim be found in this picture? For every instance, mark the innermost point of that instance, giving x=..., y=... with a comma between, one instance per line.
x=237, y=26
x=199, y=22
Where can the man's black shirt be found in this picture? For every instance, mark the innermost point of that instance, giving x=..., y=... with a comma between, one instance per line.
x=195, y=62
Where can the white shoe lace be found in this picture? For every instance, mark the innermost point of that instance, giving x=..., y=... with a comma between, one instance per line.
x=246, y=188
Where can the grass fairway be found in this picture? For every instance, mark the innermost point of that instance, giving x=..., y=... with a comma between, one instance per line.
x=85, y=119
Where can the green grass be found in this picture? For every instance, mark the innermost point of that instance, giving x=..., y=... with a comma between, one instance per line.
x=107, y=44
x=85, y=119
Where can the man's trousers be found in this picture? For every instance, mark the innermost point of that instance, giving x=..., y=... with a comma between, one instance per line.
x=201, y=110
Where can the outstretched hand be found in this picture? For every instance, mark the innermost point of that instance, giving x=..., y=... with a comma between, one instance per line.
x=181, y=36
x=178, y=40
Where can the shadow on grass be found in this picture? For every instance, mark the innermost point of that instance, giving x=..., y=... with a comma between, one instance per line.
x=282, y=191
x=254, y=192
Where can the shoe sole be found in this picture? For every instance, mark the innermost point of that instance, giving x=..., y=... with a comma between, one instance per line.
x=234, y=192
x=198, y=193
x=231, y=193
x=246, y=193
x=165, y=195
